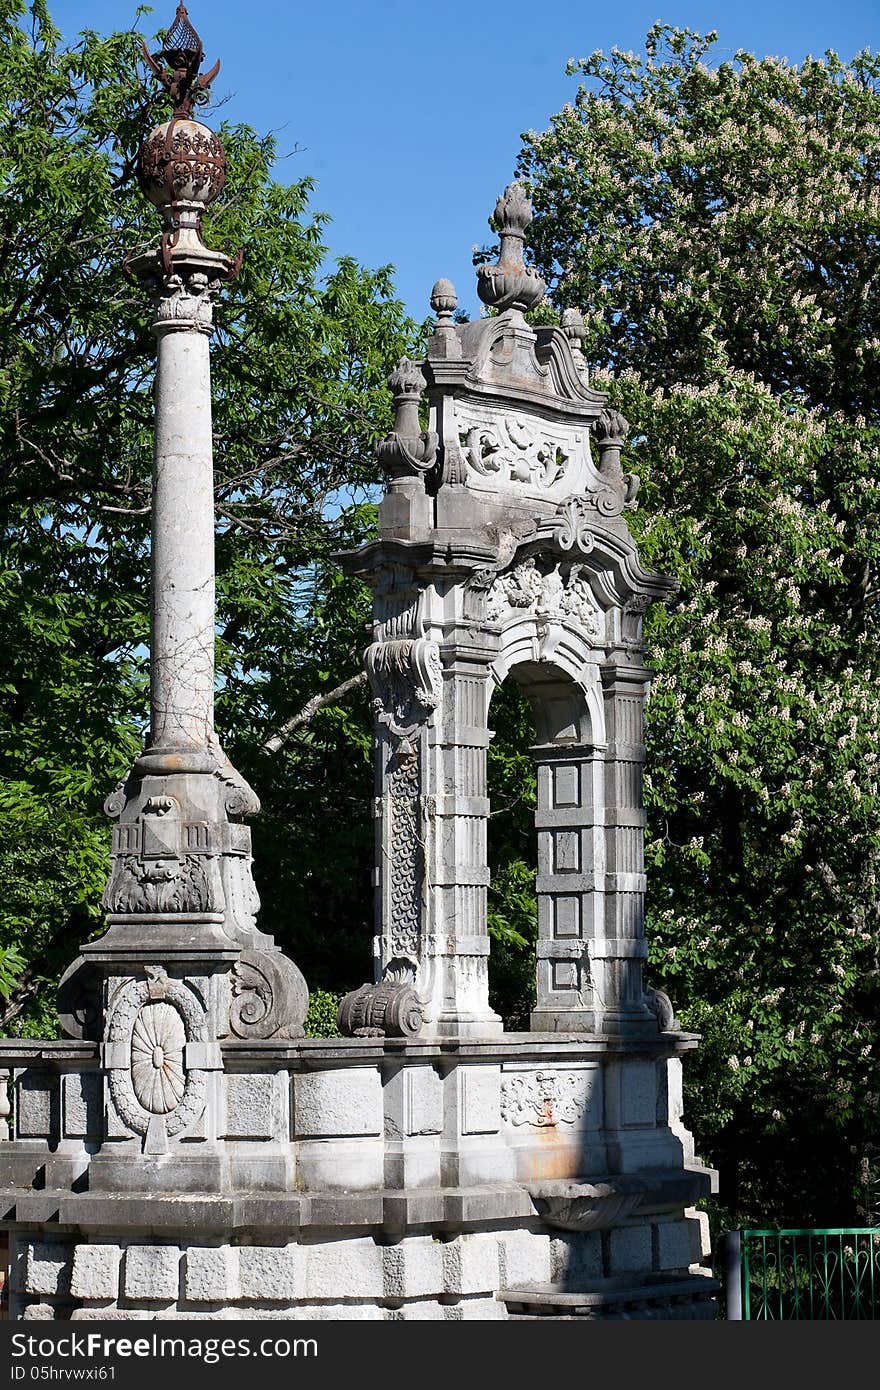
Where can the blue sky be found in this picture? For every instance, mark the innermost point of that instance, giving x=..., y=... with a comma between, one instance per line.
x=409, y=115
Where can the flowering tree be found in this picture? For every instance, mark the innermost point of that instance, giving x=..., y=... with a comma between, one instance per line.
x=719, y=224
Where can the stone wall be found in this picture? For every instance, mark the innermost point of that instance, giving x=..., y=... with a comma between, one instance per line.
x=361, y=1178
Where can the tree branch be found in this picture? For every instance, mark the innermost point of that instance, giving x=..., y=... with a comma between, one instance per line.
x=309, y=710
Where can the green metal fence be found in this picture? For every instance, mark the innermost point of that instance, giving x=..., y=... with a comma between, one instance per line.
x=789, y=1275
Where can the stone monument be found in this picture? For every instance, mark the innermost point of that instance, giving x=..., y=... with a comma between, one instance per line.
x=186, y=1152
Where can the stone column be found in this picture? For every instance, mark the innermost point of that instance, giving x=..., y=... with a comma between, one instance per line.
x=458, y=870
x=182, y=648
x=182, y=956
x=569, y=820
x=430, y=684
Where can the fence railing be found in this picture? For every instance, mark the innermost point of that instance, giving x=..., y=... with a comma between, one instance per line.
x=790, y=1275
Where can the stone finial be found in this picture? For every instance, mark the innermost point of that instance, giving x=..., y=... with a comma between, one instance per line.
x=408, y=449
x=575, y=330
x=444, y=342
x=444, y=302
x=407, y=382
x=611, y=430
x=510, y=284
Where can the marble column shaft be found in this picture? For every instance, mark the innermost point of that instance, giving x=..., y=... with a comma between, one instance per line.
x=182, y=681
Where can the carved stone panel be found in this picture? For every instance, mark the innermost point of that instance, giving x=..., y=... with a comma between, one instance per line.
x=547, y=1097
x=550, y=591
x=153, y=1090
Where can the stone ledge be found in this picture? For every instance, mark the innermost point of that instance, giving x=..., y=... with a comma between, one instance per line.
x=666, y=1296
x=539, y=1046
x=440, y=1208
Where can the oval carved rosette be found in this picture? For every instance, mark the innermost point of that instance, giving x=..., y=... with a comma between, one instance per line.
x=151, y=1087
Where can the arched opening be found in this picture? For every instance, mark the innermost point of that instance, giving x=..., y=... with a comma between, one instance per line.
x=545, y=846
x=512, y=856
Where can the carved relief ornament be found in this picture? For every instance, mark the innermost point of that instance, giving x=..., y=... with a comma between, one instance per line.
x=152, y=1023
x=543, y=1098
x=515, y=450
x=549, y=596
x=406, y=678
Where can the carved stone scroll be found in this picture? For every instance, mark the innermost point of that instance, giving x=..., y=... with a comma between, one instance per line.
x=270, y=998
x=389, y=1010
x=407, y=681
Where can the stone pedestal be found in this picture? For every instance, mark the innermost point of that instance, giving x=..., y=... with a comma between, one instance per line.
x=379, y=1179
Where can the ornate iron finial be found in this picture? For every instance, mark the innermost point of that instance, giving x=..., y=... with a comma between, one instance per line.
x=511, y=284
x=182, y=51
x=182, y=164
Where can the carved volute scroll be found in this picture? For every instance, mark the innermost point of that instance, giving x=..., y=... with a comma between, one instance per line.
x=270, y=996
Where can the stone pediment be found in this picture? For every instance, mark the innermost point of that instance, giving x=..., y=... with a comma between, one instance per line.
x=504, y=355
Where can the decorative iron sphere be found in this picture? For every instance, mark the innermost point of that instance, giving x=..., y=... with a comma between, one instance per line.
x=181, y=161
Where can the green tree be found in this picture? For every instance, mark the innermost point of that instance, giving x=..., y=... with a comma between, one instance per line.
x=719, y=224
x=300, y=361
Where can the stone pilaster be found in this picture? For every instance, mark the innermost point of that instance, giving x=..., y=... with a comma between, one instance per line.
x=570, y=825
x=620, y=951
x=459, y=873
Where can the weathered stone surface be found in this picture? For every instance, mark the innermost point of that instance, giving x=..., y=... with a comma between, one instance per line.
x=424, y=1101
x=334, y=1312
x=524, y=1259
x=83, y=1103
x=576, y=1259
x=47, y=1268
x=253, y=1107
x=112, y=1315
x=151, y=1272
x=95, y=1271
x=676, y=1244
x=638, y=1093
x=413, y=1269
x=479, y=1310
x=338, y=1103
x=480, y=1100
x=274, y=1272
x=211, y=1274
x=36, y=1101
x=470, y=1264
x=38, y=1312
x=428, y=1310
x=629, y=1249
x=354, y=1266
